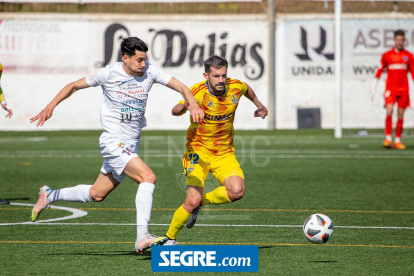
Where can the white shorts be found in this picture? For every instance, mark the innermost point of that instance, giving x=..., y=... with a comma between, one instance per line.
x=117, y=152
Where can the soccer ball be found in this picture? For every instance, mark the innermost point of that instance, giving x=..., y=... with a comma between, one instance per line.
x=318, y=228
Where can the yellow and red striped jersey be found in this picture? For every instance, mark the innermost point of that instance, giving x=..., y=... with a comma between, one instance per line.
x=215, y=134
x=2, y=99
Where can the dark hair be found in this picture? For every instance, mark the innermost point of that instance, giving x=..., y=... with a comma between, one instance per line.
x=399, y=32
x=216, y=62
x=130, y=44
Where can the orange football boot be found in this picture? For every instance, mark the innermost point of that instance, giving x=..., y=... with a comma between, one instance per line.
x=387, y=144
x=399, y=146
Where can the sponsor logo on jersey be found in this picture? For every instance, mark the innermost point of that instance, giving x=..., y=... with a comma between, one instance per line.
x=210, y=104
x=397, y=66
x=94, y=73
x=223, y=117
x=235, y=99
x=121, y=145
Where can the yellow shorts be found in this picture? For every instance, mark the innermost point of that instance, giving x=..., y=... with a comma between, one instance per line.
x=197, y=165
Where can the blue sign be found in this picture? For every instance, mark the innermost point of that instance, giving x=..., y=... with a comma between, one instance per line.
x=205, y=258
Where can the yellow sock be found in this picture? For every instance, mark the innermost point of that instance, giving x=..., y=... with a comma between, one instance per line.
x=180, y=218
x=218, y=196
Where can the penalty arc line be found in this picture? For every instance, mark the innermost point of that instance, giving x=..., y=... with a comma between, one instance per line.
x=76, y=213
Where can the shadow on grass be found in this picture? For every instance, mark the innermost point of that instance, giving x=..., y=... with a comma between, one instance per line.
x=326, y=262
x=109, y=254
x=17, y=198
x=274, y=246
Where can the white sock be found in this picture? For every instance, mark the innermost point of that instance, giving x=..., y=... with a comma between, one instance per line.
x=397, y=140
x=388, y=137
x=143, y=202
x=79, y=193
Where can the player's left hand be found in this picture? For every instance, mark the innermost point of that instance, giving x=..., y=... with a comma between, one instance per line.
x=8, y=109
x=196, y=112
x=261, y=112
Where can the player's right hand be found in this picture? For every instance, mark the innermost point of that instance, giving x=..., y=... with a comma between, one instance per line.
x=43, y=116
x=196, y=112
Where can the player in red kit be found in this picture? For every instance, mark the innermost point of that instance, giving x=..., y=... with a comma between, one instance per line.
x=398, y=62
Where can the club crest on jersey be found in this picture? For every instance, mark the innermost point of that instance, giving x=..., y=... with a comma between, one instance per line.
x=235, y=99
x=405, y=58
x=210, y=104
x=190, y=168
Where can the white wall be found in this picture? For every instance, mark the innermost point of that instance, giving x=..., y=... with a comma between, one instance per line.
x=40, y=56
x=41, y=53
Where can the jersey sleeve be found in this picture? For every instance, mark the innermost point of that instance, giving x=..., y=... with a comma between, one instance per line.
x=411, y=66
x=181, y=102
x=159, y=76
x=98, y=77
x=243, y=88
x=382, y=66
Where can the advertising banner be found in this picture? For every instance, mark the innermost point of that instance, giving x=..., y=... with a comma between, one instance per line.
x=307, y=78
x=40, y=57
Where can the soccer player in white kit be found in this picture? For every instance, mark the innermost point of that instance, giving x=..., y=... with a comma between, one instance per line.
x=125, y=88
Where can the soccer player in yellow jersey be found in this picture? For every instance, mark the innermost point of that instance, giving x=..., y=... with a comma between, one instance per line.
x=9, y=114
x=2, y=99
x=210, y=145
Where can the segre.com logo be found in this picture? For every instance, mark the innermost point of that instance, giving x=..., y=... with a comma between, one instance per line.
x=206, y=258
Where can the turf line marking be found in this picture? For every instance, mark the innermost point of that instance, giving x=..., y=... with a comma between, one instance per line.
x=236, y=210
x=76, y=213
x=274, y=156
x=198, y=225
x=215, y=243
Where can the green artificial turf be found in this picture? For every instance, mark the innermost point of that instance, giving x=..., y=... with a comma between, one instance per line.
x=289, y=176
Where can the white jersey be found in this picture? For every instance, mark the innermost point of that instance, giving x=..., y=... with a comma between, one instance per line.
x=125, y=97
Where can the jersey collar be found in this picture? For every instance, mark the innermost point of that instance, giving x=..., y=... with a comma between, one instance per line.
x=213, y=93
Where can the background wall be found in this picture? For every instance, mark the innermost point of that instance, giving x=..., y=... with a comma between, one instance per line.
x=41, y=53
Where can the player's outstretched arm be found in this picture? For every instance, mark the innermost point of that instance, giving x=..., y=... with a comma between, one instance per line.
x=4, y=104
x=68, y=90
x=373, y=88
x=180, y=109
x=261, y=109
x=196, y=112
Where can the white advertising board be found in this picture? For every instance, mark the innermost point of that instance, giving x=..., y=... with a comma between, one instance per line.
x=306, y=69
x=40, y=57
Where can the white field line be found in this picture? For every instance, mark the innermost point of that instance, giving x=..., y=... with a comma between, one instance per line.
x=22, y=139
x=76, y=213
x=259, y=153
x=281, y=156
x=199, y=225
x=246, y=151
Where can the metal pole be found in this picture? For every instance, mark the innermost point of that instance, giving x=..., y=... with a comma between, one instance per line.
x=338, y=69
x=272, y=68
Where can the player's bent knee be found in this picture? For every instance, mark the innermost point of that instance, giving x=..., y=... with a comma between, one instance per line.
x=236, y=193
x=193, y=202
x=151, y=178
x=97, y=198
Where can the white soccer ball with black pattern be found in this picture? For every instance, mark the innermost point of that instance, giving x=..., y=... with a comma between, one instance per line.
x=318, y=228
